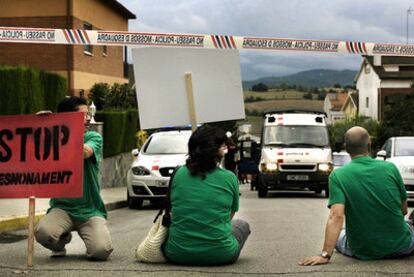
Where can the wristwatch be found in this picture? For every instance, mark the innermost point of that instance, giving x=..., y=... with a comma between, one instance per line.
x=325, y=255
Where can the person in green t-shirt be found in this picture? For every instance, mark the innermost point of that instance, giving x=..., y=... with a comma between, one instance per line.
x=86, y=215
x=204, y=198
x=371, y=196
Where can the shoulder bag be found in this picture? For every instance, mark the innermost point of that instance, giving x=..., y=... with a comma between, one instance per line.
x=150, y=249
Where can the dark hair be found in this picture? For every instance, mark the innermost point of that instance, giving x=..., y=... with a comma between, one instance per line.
x=203, y=149
x=70, y=104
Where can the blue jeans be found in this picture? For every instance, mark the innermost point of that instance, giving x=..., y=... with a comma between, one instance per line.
x=342, y=245
x=241, y=231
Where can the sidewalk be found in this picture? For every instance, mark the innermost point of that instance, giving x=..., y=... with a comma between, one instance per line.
x=14, y=212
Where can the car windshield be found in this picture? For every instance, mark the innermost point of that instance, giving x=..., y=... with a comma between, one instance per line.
x=296, y=136
x=168, y=143
x=404, y=147
x=340, y=160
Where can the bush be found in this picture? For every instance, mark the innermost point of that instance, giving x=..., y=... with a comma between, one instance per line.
x=307, y=95
x=250, y=99
x=25, y=90
x=253, y=112
x=338, y=129
x=117, y=96
x=398, y=118
x=98, y=94
x=260, y=87
x=120, y=128
x=55, y=88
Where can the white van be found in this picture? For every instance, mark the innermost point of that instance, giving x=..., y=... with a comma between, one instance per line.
x=295, y=152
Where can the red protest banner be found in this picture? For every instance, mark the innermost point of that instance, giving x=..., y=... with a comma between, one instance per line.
x=41, y=156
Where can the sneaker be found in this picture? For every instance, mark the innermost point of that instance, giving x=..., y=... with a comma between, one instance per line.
x=61, y=253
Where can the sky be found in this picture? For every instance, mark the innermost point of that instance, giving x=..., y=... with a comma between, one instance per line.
x=345, y=20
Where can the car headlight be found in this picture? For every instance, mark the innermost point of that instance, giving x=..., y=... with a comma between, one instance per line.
x=268, y=167
x=325, y=167
x=140, y=171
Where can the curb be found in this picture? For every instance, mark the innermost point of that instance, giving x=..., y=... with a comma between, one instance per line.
x=20, y=222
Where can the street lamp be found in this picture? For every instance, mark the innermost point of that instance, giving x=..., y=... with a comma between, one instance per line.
x=92, y=112
x=409, y=11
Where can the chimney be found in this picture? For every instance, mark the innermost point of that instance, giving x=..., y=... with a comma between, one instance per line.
x=377, y=61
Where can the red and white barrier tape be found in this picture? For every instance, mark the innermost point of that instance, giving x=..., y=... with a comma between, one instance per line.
x=84, y=37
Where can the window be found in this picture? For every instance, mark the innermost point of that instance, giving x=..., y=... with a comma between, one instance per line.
x=367, y=102
x=387, y=148
x=296, y=136
x=88, y=50
x=104, y=51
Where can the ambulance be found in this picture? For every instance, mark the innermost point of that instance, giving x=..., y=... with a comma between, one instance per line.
x=295, y=152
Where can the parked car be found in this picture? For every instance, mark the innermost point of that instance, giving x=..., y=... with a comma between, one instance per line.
x=340, y=159
x=400, y=151
x=153, y=165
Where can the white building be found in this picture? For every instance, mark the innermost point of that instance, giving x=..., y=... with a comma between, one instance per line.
x=379, y=79
x=332, y=106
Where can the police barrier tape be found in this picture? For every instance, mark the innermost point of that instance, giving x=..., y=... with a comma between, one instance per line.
x=115, y=38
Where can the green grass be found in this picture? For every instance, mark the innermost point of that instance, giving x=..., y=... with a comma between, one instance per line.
x=274, y=94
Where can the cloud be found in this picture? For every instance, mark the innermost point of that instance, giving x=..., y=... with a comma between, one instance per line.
x=350, y=20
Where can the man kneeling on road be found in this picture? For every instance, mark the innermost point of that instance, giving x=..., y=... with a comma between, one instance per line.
x=370, y=194
x=86, y=215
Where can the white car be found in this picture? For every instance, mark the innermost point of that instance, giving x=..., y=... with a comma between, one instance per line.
x=400, y=151
x=340, y=159
x=151, y=170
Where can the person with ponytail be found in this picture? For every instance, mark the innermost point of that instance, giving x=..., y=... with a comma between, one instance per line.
x=204, y=198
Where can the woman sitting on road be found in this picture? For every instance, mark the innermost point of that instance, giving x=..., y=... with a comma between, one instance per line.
x=204, y=199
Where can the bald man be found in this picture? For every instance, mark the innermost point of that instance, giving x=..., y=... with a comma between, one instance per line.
x=370, y=196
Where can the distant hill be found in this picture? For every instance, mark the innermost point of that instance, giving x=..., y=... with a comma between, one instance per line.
x=310, y=78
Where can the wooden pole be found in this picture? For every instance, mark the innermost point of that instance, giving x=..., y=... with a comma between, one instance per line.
x=190, y=97
x=30, y=240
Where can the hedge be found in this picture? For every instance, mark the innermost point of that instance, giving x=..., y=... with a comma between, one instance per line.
x=120, y=129
x=25, y=90
x=55, y=87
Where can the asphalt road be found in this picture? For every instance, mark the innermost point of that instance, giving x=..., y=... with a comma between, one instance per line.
x=285, y=228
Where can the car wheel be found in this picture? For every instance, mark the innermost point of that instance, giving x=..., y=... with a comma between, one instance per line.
x=261, y=188
x=134, y=203
x=318, y=191
x=326, y=193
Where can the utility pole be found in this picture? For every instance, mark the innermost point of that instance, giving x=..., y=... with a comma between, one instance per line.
x=409, y=11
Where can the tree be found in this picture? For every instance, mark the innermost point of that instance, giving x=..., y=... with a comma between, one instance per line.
x=398, y=118
x=322, y=95
x=260, y=87
x=337, y=85
x=338, y=129
x=307, y=95
x=117, y=96
x=98, y=94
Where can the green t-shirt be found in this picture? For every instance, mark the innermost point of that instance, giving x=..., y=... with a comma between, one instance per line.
x=91, y=203
x=201, y=231
x=372, y=192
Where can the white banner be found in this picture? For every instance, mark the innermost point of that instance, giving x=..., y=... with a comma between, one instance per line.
x=83, y=37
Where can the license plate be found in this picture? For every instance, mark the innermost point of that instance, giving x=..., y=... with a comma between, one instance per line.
x=162, y=183
x=297, y=177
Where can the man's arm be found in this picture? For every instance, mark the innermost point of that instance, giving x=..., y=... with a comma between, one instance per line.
x=332, y=231
x=404, y=207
